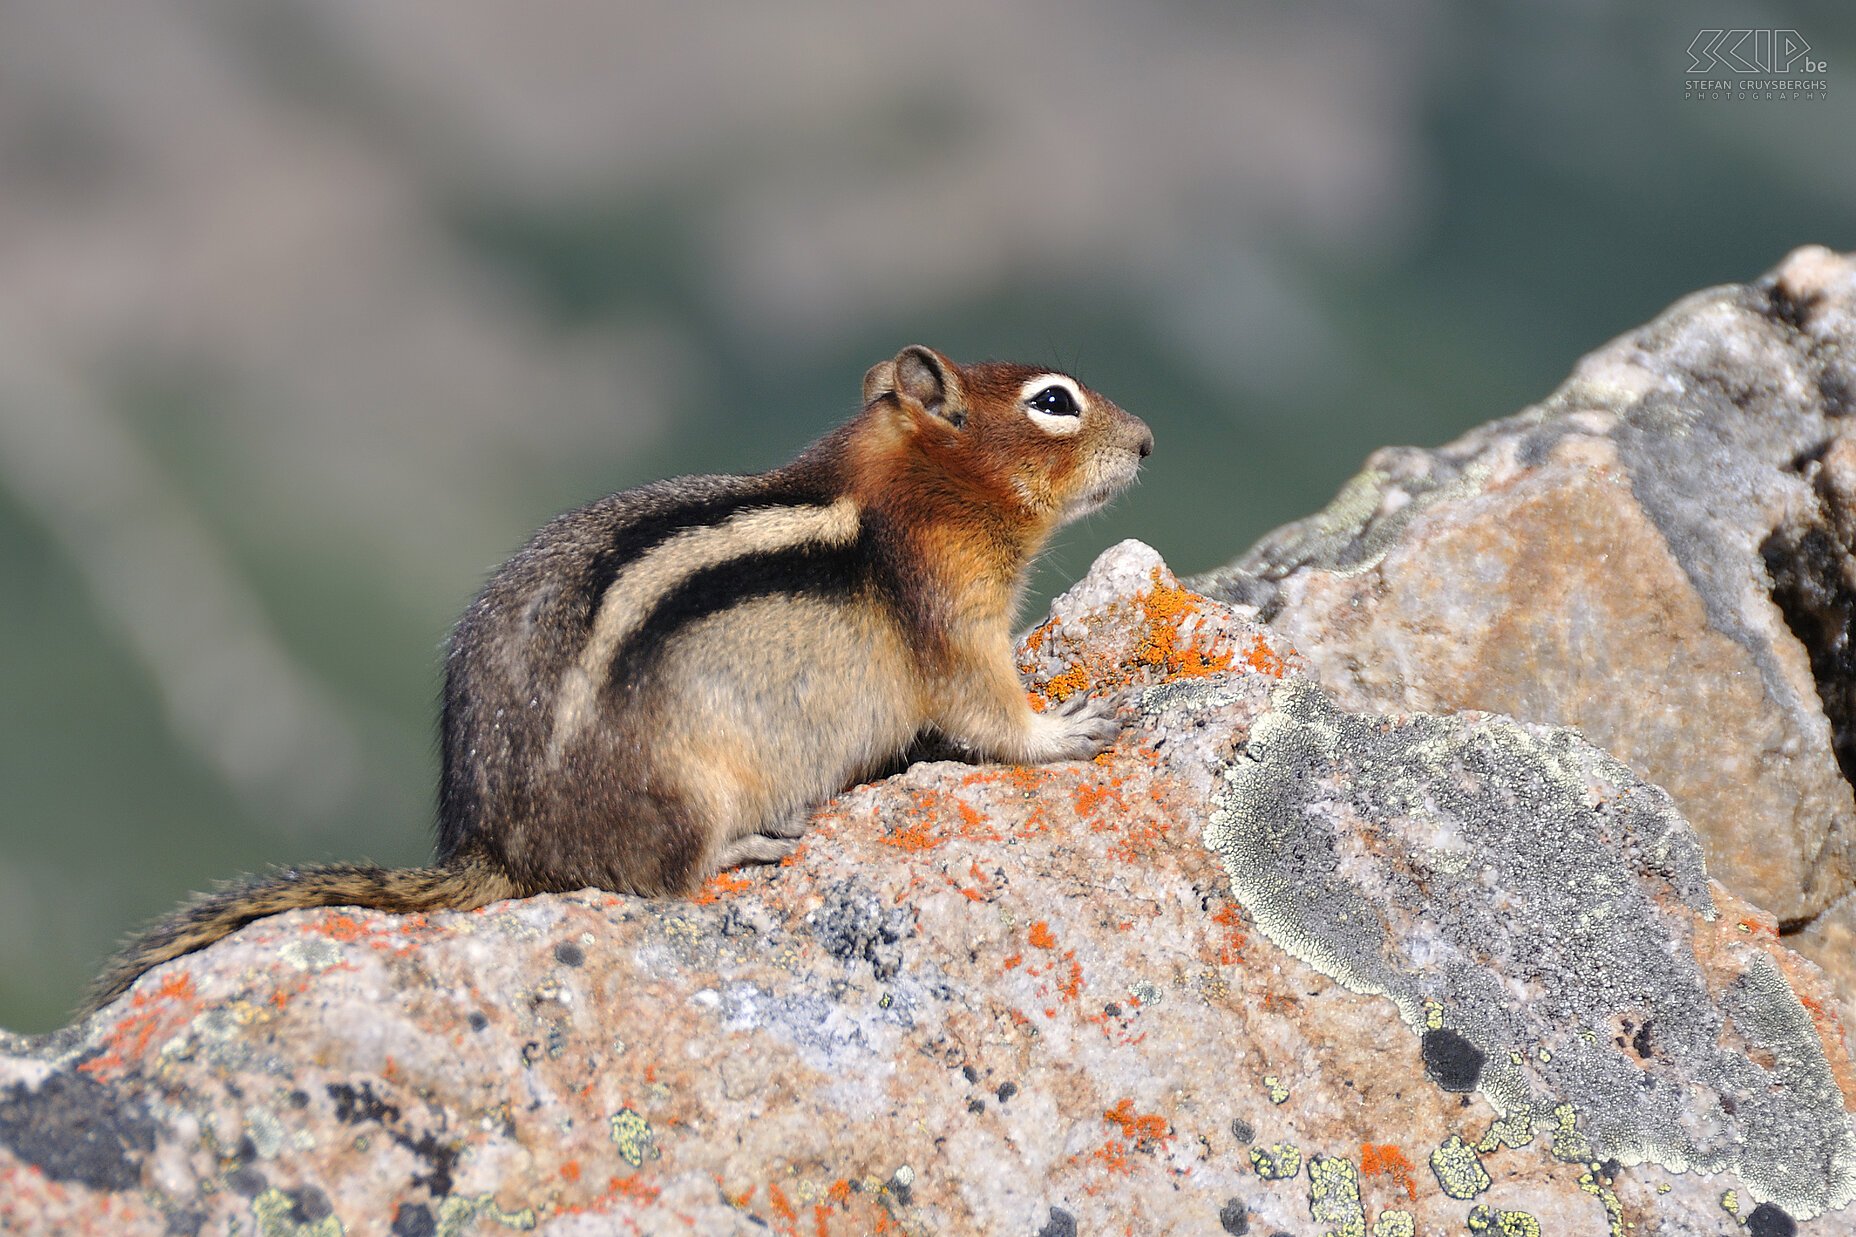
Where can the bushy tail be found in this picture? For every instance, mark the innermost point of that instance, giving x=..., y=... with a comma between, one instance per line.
x=463, y=884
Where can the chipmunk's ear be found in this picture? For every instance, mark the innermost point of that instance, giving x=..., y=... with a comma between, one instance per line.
x=927, y=382
x=879, y=380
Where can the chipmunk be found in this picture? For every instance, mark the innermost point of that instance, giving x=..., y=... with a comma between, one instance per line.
x=667, y=682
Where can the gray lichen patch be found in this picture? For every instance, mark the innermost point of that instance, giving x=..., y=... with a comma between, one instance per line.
x=1520, y=889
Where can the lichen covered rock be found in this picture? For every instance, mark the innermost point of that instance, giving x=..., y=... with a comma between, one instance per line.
x=1452, y=865
x=1659, y=554
x=1010, y=1000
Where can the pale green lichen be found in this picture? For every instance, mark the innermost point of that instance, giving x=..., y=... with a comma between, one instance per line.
x=1351, y=534
x=1447, y=862
x=273, y=1210
x=1395, y=1223
x=1334, y=1196
x=1513, y=1129
x=1459, y=1169
x=1276, y=1162
x=1614, y=1208
x=1277, y=1092
x=1484, y=1219
x=634, y=1138
x=1569, y=1144
x=458, y=1213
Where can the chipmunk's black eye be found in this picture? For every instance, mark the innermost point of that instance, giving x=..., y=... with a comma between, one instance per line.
x=1057, y=401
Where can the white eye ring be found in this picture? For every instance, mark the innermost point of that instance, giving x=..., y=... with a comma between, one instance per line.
x=1052, y=423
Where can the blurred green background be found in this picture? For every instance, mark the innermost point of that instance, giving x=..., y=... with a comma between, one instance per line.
x=310, y=311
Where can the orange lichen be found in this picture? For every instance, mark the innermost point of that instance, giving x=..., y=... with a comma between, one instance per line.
x=1166, y=609
x=1035, y=640
x=1113, y=1156
x=1063, y=686
x=781, y=1207
x=1230, y=949
x=1013, y=961
x=1072, y=986
x=1264, y=659
x=570, y=1171
x=1041, y=935
x=342, y=928
x=721, y=885
x=913, y=835
x=1146, y=1129
x=635, y=1188
x=1090, y=799
x=165, y=1010
x=1385, y=1159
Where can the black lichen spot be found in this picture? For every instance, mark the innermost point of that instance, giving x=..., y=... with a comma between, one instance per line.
x=903, y=1191
x=1839, y=399
x=440, y=1158
x=1243, y=1131
x=308, y=1205
x=1770, y=1221
x=1112, y=1009
x=969, y=1073
x=414, y=1220
x=478, y=1020
x=185, y=1223
x=354, y=1105
x=75, y=1128
x=1794, y=311
x=1641, y=1041
x=1234, y=1217
x=1811, y=584
x=569, y=954
x=246, y=1181
x=1453, y=1062
x=976, y=1105
x=854, y=925
x=1061, y=1224
x=299, y=1099
x=1007, y=1090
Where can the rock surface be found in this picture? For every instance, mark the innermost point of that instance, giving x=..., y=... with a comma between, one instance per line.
x=1658, y=554
x=1265, y=967
x=1318, y=947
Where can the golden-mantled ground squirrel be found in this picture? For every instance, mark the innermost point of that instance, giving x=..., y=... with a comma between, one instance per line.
x=667, y=682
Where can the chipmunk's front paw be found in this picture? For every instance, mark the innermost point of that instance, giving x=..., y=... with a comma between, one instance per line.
x=1080, y=727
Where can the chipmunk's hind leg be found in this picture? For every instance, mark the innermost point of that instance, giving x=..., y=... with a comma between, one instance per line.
x=754, y=848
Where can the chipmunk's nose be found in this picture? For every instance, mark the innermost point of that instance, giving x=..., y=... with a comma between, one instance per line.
x=1146, y=447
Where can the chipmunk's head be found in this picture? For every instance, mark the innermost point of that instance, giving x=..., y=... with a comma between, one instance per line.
x=1032, y=440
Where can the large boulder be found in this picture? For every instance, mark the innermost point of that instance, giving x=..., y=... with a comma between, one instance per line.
x=1658, y=554
x=1268, y=966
